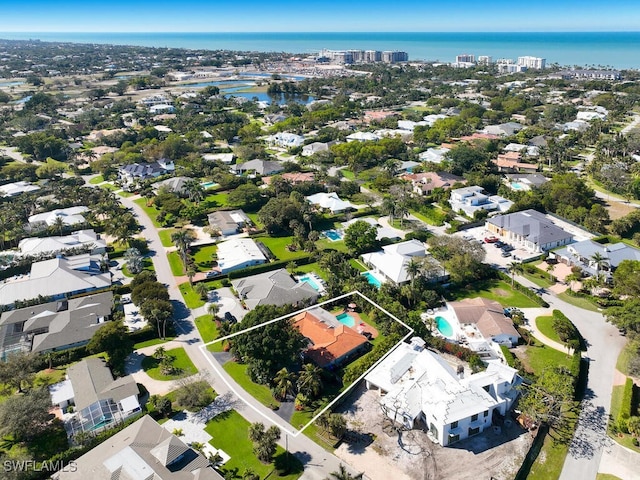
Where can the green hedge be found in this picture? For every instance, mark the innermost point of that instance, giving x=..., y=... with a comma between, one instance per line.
x=509, y=357
x=562, y=323
x=267, y=267
x=626, y=406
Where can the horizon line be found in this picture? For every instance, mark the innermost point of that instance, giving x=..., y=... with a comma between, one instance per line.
x=318, y=31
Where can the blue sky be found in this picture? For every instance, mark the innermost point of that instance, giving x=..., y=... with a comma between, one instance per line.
x=319, y=16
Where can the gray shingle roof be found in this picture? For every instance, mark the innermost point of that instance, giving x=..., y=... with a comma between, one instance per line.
x=273, y=288
x=531, y=224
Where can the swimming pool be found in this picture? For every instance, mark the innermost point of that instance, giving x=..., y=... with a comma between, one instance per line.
x=516, y=186
x=346, y=319
x=444, y=327
x=206, y=185
x=309, y=279
x=372, y=279
x=333, y=235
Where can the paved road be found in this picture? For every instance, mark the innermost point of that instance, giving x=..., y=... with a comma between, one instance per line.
x=604, y=344
x=318, y=462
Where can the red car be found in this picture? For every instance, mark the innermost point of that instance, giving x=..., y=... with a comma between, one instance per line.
x=490, y=239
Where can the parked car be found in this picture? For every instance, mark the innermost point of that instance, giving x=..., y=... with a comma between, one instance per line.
x=508, y=248
x=498, y=244
x=490, y=239
x=506, y=254
x=212, y=274
x=229, y=317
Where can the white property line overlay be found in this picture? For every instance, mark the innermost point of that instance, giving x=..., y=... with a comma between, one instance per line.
x=216, y=367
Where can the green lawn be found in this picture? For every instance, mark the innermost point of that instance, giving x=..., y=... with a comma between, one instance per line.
x=153, y=341
x=203, y=257
x=278, y=245
x=109, y=186
x=180, y=361
x=623, y=360
x=47, y=377
x=326, y=244
x=96, y=180
x=215, y=200
x=122, y=193
x=261, y=393
x=300, y=418
x=165, y=236
x=175, y=262
x=230, y=432
x=348, y=174
x=607, y=476
x=313, y=267
x=254, y=218
x=357, y=264
x=545, y=325
x=151, y=211
x=497, y=290
x=549, y=463
x=209, y=332
x=147, y=264
x=191, y=298
x=538, y=276
x=580, y=302
x=539, y=356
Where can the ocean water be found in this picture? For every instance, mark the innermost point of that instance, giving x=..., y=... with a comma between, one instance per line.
x=614, y=49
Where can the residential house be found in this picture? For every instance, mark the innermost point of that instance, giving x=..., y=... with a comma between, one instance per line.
x=228, y=222
x=144, y=171
x=329, y=201
x=143, y=450
x=99, y=400
x=503, y=129
x=259, y=167
x=510, y=162
x=391, y=262
x=425, y=183
x=530, y=230
x=16, y=188
x=33, y=246
x=489, y=319
x=273, y=288
x=407, y=166
x=434, y=154
x=316, y=147
x=433, y=118
x=56, y=278
x=363, y=137
x=419, y=389
x=237, y=254
x=472, y=199
x=410, y=125
x=219, y=157
x=162, y=108
x=582, y=254
x=285, y=140
x=530, y=150
x=175, y=185
x=381, y=232
x=54, y=326
x=331, y=343
x=525, y=181
x=70, y=216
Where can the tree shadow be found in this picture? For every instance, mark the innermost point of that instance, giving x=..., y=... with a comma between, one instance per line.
x=286, y=463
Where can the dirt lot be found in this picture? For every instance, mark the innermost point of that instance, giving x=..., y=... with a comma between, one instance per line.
x=382, y=454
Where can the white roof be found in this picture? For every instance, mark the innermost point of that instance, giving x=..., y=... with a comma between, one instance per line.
x=392, y=260
x=35, y=245
x=237, y=252
x=435, y=154
x=329, y=200
x=130, y=403
x=15, y=188
x=222, y=157
x=362, y=137
x=70, y=216
x=423, y=381
x=61, y=392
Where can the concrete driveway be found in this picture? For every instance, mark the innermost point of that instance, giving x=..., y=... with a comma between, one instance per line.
x=228, y=303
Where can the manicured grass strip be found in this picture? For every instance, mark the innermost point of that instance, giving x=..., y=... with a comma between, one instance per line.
x=191, y=298
x=278, y=246
x=551, y=458
x=175, y=262
x=96, y=180
x=315, y=268
x=358, y=265
x=623, y=360
x=153, y=341
x=203, y=257
x=617, y=401
x=230, y=432
x=326, y=244
x=109, y=186
x=147, y=264
x=300, y=418
x=545, y=325
x=261, y=393
x=122, y=193
x=538, y=357
x=209, y=332
x=579, y=302
x=165, y=236
x=180, y=361
x=607, y=476
x=151, y=211
x=348, y=174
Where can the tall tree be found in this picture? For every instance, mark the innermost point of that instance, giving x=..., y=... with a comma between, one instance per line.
x=26, y=416
x=183, y=239
x=310, y=380
x=284, y=384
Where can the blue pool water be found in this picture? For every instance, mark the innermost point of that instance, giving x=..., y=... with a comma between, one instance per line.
x=346, y=319
x=333, y=235
x=516, y=186
x=206, y=185
x=444, y=327
x=310, y=281
x=372, y=279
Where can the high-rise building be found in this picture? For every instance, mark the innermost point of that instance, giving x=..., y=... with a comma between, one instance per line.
x=465, y=58
x=484, y=60
x=534, y=63
x=389, y=56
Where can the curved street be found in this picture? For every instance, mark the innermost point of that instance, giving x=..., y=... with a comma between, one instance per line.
x=318, y=463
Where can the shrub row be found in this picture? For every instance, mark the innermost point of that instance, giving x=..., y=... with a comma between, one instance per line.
x=627, y=404
x=510, y=358
x=267, y=267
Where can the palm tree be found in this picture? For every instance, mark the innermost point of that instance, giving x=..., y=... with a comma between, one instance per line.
x=191, y=272
x=202, y=290
x=515, y=267
x=343, y=474
x=183, y=239
x=310, y=380
x=284, y=383
x=194, y=190
x=58, y=224
x=212, y=308
x=550, y=271
x=134, y=260
x=599, y=261
x=414, y=269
